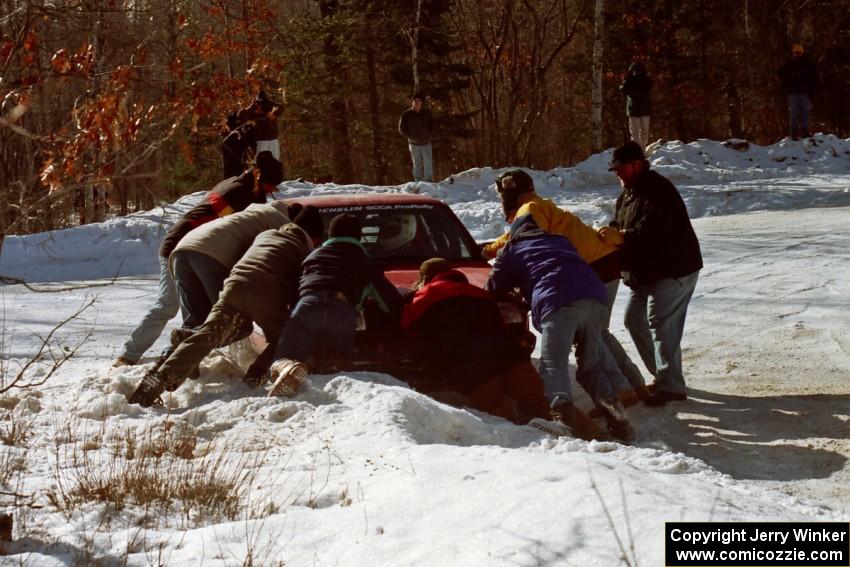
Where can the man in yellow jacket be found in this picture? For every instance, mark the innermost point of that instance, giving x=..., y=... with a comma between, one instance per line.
x=516, y=192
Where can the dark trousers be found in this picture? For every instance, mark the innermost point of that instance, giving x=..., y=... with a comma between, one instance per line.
x=320, y=331
x=223, y=326
x=199, y=280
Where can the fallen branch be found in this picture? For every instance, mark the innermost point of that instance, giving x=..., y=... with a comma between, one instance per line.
x=11, y=280
x=46, y=347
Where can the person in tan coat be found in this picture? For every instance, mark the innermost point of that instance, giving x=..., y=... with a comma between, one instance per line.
x=203, y=259
x=261, y=289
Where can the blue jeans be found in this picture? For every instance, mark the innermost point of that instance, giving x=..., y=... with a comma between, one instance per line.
x=423, y=169
x=321, y=327
x=199, y=281
x=655, y=318
x=628, y=370
x=581, y=323
x=798, y=106
x=154, y=321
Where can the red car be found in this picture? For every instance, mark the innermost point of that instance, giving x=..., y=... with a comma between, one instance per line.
x=401, y=231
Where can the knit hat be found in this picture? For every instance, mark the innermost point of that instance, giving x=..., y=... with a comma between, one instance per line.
x=294, y=209
x=630, y=151
x=514, y=180
x=271, y=172
x=431, y=268
x=344, y=225
x=311, y=221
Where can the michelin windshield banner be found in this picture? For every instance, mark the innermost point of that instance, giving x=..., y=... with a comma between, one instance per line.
x=757, y=544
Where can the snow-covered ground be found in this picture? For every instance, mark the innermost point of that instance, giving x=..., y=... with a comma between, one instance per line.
x=361, y=470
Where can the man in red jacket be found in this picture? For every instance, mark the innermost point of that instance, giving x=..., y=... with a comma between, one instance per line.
x=465, y=348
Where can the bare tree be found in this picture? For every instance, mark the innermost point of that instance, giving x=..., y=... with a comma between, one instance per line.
x=596, y=92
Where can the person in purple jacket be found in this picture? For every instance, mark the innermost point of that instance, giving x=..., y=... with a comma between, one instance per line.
x=568, y=305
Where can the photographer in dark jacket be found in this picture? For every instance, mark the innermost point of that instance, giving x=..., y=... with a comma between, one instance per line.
x=660, y=262
x=636, y=87
x=336, y=279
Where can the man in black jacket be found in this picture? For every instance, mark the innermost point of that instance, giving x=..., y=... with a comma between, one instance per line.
x=417, y=125
x=660, y=261
x=336, y=279
x=799, y=77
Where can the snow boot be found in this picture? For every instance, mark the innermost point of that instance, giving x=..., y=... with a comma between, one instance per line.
x=288, y=375
x=553, y=428
x=617, y=420
x=584, y=427
x=148, y=390
x=122, y=361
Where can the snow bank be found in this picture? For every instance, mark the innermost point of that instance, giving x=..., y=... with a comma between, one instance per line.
x=714, y=179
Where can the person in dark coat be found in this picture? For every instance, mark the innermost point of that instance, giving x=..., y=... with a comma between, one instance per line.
x=236, y=142
x=261, y=288
x=636, y=87
x=417, y=125
x=231, y=195
x=336, y=280
x=568, y=305
x=265, y=115
x=251, y=128
x=660, y=261
x=799, y=77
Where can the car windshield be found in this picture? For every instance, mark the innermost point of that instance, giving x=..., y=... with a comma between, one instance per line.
x=409, y=232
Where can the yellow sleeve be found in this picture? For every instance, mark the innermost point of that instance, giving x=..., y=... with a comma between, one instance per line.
x=490, y=250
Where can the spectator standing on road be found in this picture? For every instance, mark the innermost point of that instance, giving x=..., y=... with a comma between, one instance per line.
x=636, y=87
x=231, y=195
x=417, y=125
x=799, y=76
x=660, y=261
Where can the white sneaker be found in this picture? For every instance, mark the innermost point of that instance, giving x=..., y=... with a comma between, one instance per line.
x=554, y=428
x=288, y=375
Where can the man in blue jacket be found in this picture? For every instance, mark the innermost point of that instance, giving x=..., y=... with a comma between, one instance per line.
x=568, y=304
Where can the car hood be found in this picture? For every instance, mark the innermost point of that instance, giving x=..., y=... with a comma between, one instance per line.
x=405, y=278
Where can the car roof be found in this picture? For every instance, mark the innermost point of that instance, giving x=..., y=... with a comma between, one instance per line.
x=348, y=199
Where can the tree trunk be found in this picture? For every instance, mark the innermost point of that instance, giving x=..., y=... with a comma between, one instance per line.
x=343, y=170
x=596, y=89
x=379, y=164
x=414, y=40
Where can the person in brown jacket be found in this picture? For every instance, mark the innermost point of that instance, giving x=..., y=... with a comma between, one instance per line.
x=261, y=288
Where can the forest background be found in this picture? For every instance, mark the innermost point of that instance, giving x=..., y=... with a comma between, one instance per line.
x=109, y=107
